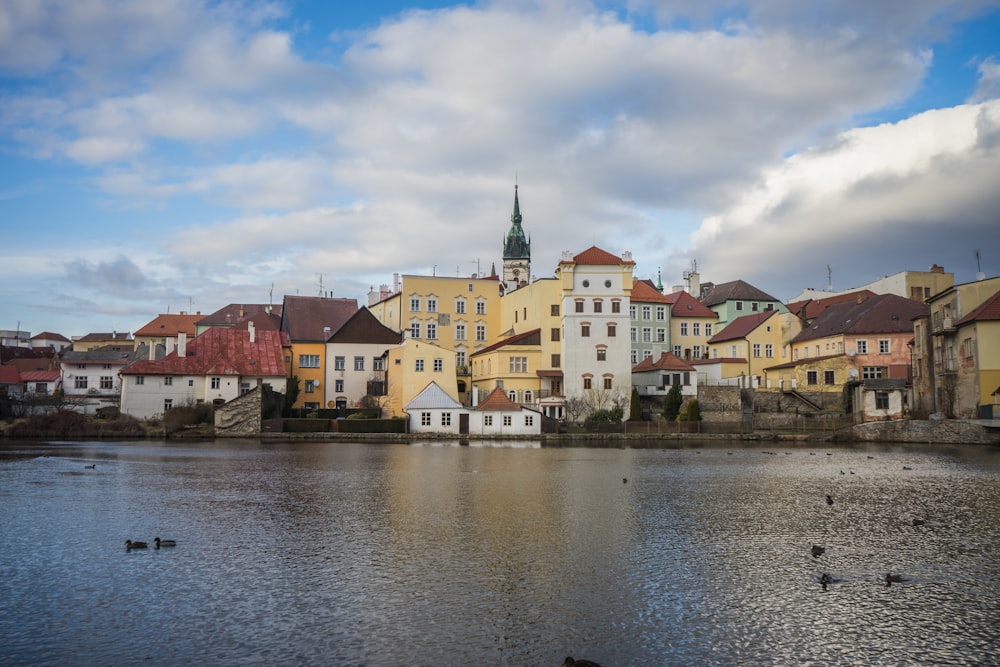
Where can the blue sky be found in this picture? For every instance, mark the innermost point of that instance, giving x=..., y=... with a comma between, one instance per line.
x=168, y=155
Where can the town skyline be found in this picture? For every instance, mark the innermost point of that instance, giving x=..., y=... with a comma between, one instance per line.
x=182, y=156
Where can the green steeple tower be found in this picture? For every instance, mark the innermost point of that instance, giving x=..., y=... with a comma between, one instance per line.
x=516, y=251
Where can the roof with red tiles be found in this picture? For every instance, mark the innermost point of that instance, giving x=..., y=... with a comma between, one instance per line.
x=48, y=335
x=363, y=327
x=880, y=314
x=735, y=290
x=644, y=292
x=497, y=401
x=237, y=313
x=27, y=364
x=221, y=351
x=810, y=308
x=532, y=337
x=169, y=325
x=741, y=327
x=9, y=375
x=40, y=376
x=314, y=318
x=987, y=310
x=686, y=305
x=668, y=361
x=594, y=256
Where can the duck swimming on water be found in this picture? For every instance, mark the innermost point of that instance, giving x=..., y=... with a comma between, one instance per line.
x=570, y=662
x=817, y=550
x=129, y=545
x=891, y=579
x=164, y=543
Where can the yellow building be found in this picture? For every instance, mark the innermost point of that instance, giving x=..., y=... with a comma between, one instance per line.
x=458, y=314
x=691, y=325
x=513, y=364
x=756, y=339
x=410, y=367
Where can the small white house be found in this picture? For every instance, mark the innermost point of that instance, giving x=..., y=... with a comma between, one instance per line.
x=656, y=377
x=498, y=415
x=434, y=411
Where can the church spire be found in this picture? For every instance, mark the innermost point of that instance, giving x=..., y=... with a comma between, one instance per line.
x=516, y=251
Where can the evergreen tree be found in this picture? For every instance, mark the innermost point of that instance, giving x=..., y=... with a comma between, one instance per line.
x=633, y=408
x=672, y=403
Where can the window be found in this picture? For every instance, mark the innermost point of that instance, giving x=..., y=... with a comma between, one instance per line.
x=708, y=328
x=884, y=345
x=528, y=396
x=432, y=331
x=480, y=332
x=168, y=403
x=872, y=372
x=108, y=382
x=460, y=358
x=696, y=352
x=507, y=420
x=191, y=383
x=414, y=304
x=586, y=383
x=529, y=420
x=338, y=386
x=480, y=308
x=82, y=366
x=612, y=329
x=460, y=331
x=967, y=347
x=308, y=361
x=487, y=420
x=359, y=363
x=696, y=328
x=661, y=313
x=555, y=333
x=438, y=365
x=310, y=386
x=646, y=312
x=739, y=305
x=631, y=312
x=419, y=367
x=425, y=419
x=445, y=419
x=81, y=382
x=635, y=356
x=460, y=306
x=585, y=330
x=512, y=395
x=607, y=383
x=828, y=377
x=432, y=305
x=602, y=354
x=555, y=361
x=216, y=383
x=616, y=306
x=414, y=329
x=769, y=350
x=579, y=306
x=684, y=328
x=518, y=364
x=811, y=377
x=378, y=363
x=338, y=363
x=598, y=306
x=756, y=350
x=661, y=335
x=647, y=335
x=634, y=333
x=755, y=306
x=881, y=400
x=862, y=347
x=554, y=310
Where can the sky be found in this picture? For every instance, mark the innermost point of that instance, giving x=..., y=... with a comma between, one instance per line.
x=159, y=156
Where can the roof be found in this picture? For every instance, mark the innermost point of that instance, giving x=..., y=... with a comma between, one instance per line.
x=885, y=384
x=532, y=337
x=28, y=364
x=170, y=325
x=497, y=401
x=987, y=310
x=363, y=327
x=314, y=318
x=9, y=375
x=430, y=397
x=803, y=362
x=40, y=376
x=594, y=256
x=668, y=361
x=98, y=337
x=741, y=327
x=47, y=335
x=880, y=314
x=106, y=354
x=237, y=313
x=686, y=305
x=221, y=351
x=735, y=290
x=643, y=292
x=810, y=308
x=718, y=360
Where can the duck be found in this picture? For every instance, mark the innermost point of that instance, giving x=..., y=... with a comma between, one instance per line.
x=817, y=551
x=570, y=662
x=91, y=466
x=829, y=500
x=164, y=543
x=918, y=522
x=129, y=545
x=825, y=579
x=891, y=579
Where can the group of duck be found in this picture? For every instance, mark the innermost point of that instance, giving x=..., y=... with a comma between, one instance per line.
x=157, y=543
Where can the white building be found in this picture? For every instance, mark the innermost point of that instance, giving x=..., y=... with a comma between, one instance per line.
x=356, y=358
x=90, y=379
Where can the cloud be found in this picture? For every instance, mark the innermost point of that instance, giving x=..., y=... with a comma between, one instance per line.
x=988, y=87
x=118, y=276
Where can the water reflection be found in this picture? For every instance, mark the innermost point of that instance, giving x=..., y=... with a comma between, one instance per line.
x=320, y=553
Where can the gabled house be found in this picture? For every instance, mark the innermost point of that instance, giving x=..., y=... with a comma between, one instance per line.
x=39, y=384
x=309, y=321
x=410, y=367
x=160, y=335
x=656, y=377
x=808, y=310
x=649, y=312
x=754, y=338
x=90, y=378
x=692, y=323
x=95, y=340
x=265, y=317
x=512, y=364
x=738, y=298
x=358, y=353
x=216, y=367
x=498, y=415
x=977, y=373
x=57, y=342
x=433, y=410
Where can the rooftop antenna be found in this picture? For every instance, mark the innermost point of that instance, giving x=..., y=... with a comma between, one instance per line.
x=979, y=268
x=320, y=283
x=829, y=278
x=270, y=298
x=478, y=270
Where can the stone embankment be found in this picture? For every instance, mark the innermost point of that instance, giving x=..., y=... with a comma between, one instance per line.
x=934, y=431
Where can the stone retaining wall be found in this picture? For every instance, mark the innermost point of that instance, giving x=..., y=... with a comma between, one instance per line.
x=942, y=431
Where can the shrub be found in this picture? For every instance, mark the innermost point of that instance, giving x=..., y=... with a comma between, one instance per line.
x=672, y=403
x=606, y=416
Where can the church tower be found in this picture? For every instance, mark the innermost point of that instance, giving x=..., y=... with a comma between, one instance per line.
x=516, y=252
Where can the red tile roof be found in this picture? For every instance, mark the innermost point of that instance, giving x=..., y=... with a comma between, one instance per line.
x=221, y=351
x=594, y=256
x=532, y=337
x=880, y=314
x=741, y=326
x=668, y=361
x=686, y=305
x=643, y=292
x=9, y=375
x=237, y=313
x=47, y=335
x=987, y=310
x=40, y=376
x=811, y=308
x=169, y=325
x=497, y=401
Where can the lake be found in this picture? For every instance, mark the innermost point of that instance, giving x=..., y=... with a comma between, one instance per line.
x=333, y=553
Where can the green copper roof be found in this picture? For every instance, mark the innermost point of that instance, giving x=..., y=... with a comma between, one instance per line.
x=515, y=245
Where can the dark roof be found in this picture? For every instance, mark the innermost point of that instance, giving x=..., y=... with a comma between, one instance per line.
x=98, y=337
x=741, y=326
x=315, y=318
x=363, y=327
x=532, y=337
x=987, y=310
x=237, y=313
x=880, y=314
x=118, y=354
x=668, y=361
x=221, y=351
x=885, y=384
x=644, y=292
x=735, y=290
x=810, y=308
x=686, y=305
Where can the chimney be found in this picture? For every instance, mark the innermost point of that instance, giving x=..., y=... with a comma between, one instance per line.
x=152, y=351
x=252, y=331
x=181, y=344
